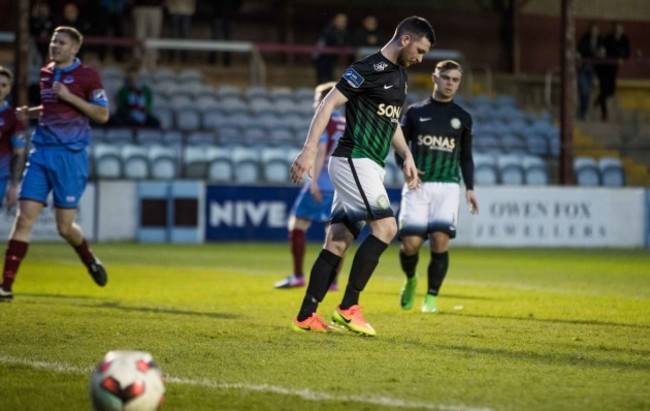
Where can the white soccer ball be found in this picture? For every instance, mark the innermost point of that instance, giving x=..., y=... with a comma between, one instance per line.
x=127, y=381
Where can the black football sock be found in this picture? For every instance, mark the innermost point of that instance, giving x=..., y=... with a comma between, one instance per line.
x=408, y=263
x=319, y=282
x=437, y=271
x=364, y=264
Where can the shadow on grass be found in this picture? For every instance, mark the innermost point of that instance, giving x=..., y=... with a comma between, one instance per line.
x=119, y=306
x=577, y=360
x=172, y=311
x=550, y=320
x=393, y=294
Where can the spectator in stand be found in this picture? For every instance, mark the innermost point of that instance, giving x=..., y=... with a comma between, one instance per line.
x=112, y=24
x=71, y=16
x=180, y=16
x=224, y=13
x=41, y=25
x=616, y=49
x=368, y=35
x=334, y=35
x=588, y=47
x=148, y=20
x=134, y=102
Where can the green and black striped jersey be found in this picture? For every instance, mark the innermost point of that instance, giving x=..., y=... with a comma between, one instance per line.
x=376, y=92
x=439, y=135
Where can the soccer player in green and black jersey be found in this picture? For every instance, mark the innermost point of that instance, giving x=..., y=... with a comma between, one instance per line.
x=439, y=133
x=373, y=91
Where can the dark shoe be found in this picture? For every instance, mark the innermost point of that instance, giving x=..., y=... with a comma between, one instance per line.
x=98, y=272
x=6, y=296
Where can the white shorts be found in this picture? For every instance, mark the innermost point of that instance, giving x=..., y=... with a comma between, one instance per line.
x=359, y=192
x=431, y=207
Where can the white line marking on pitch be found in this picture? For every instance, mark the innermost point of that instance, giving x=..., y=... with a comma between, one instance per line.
x=305, y=393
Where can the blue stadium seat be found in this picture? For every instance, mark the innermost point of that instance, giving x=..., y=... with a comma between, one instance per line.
x=162, y=75
x=195, y=162
x=246, y=165
x=511, y=170
x=188, y=119
x=211, y=118
x=163, y=162
x=536, y=144
x=166, y=117
x=135, y=162
x=118, y=136
x=278, y=94
x=586, y=171
x=485, y=169
x=512, y=143
x=220, y=165
x=256, y=93
x=173, y=138
x=274, y=164
x=234, y=105
x=535, y=171
x=255, y=135
x=107, y=160
x=148, y=137
x=229, y=134
x=188, y=76
x=228, y=91
x=611, y=171
x=201, y=138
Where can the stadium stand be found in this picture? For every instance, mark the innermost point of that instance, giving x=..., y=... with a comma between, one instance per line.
x=252, y=124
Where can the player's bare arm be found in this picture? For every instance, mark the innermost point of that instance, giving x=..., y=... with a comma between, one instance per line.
x=96, y=113
x=410, y=171
x=318, y=165
x=17, y=166
x=25, y=113
x=305, y=160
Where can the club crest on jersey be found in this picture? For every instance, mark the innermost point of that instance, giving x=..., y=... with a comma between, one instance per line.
x=381, y=66
x=68, y=80
x=383, y=202
x=455, y=123
x=353, y=78
x=99, y=95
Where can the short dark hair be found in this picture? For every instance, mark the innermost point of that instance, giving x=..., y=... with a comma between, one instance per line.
x=445, y=65
x=7, y=73
x=416, y=26
x=74, y=34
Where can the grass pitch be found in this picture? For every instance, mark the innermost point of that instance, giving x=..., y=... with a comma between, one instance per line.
x=517, y=330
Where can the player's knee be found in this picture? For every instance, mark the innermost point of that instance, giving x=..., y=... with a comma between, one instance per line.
x=24, y=223
x=64, y=230
x=385, y=229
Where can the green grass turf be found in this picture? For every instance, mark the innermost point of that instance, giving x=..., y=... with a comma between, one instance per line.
x=528, y=329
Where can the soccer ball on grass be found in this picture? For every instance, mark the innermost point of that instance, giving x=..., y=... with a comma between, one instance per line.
x=127, y=381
